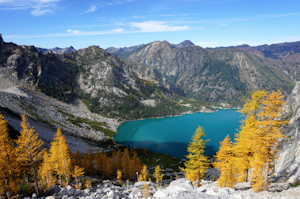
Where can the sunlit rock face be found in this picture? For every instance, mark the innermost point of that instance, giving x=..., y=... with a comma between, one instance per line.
x=287, y=166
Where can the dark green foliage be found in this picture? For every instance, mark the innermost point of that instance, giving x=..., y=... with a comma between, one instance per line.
x=296, y=184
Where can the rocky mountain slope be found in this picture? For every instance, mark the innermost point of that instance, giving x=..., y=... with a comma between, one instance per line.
x=106, y=84
x=46, y=114
x=216, y=74
x=287, y=52
x=57, y=50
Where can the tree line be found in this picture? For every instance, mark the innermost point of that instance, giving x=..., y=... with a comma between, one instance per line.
x=24, y=162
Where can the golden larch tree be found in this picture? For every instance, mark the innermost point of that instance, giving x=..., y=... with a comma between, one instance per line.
x=63, y=152
x=226, y=164
x=269, y=134
x=88, y=183
x=56, y=160
x=144, y=174
x=245, y=141
x=197, y=162
x=29, y=151
x=9, y=166
x=78, y=172
x=46, y=171
x=125, y=163
x=119, y=176
x=158, y=175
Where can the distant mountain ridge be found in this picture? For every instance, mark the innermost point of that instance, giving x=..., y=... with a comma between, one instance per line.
x=217, y=74
x=286, y=52
x=125, y=52
x=57, y=50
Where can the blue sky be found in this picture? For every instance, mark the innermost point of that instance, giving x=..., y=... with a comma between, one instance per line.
x=120, y=23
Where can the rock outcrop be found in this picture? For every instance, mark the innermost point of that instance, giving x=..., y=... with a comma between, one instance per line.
x=1, y=43
x=288, y=163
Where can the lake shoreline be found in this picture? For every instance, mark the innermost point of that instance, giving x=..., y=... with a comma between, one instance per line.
x=170, y=135
x=203, y=110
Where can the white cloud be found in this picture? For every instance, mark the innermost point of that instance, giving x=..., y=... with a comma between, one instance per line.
x=91, y=9
x=6, y=1
x=73, y=31
x=157, y=26
x=119, y=30
x=118, y=2
x=39, y=11
x=39, y=7
x=138, y=17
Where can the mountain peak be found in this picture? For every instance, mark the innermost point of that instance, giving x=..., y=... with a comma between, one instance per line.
x=185, y=43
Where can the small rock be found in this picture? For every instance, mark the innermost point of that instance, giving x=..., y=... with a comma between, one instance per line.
x=65, y=197
x=113, y=194
x=34, y=195
x=160, y=194
x=211, y=192
x=135, y=192
x=50, y=197
x=86, y=191
x=69, y=187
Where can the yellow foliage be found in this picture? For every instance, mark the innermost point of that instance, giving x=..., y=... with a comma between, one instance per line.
x=197, y=162
x=245, y=145
x=46, y=171
x=144, y=174
x=29, y=150
x=9, y=166
x=78, y=172
x=88, y=183
x=259, y=130
x=226, y=164
x=60, y=157
x=158, y=176
x=125, y=163
x=119, y=176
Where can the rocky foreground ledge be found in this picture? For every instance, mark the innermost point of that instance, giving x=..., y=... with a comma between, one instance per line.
x=178, y=189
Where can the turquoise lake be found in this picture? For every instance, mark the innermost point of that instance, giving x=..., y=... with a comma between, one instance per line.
x=171, y=135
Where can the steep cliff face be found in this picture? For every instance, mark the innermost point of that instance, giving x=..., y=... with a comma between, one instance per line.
x=53, y=74
x=288, y=163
